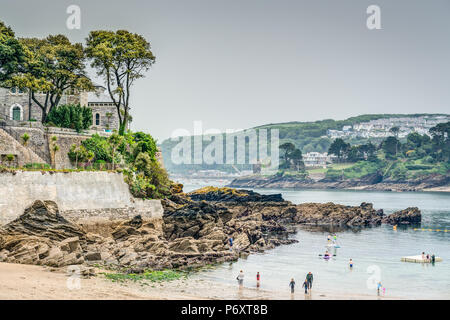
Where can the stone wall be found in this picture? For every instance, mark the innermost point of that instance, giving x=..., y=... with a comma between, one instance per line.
x=79, y=195
x=22, y=155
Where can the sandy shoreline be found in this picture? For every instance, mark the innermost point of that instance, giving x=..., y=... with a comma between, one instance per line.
x=27, y=282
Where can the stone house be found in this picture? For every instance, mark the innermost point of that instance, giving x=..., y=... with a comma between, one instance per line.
x=16, y=105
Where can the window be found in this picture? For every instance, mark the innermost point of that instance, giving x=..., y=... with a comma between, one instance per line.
x=97, y=119
x=16, y=113
x=13, y=90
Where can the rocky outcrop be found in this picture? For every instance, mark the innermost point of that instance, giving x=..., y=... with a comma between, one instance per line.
x=410, y=215
x=42, y=219
x=191, y=232
x=232, y=195
x=338, y=215
x=370, y=182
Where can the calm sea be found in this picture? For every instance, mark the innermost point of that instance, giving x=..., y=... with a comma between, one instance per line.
x=376, y=252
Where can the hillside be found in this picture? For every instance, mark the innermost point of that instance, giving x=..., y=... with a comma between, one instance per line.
x=307, y=136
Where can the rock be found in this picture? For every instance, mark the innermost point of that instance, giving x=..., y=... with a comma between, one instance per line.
x=410, y=215
x=4, y=255
x=232, y=195
x=80, y=271
x=70, y=245
x=93, y=256
x=185, y=245
x=42, y=219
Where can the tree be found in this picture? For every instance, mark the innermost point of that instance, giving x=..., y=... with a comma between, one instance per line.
x=339, y=148
x=297, y=159
x=120, y=58
x=12, y=54
x=114, y=141
x=395, y=131
x=54, y=148
x=441, y=141
x=287, y=148
x=390, y=146
x=52, y=66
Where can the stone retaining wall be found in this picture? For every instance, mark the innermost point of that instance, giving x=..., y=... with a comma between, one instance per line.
x=79, y=195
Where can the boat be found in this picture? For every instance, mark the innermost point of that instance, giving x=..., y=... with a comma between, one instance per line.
x=419, y=259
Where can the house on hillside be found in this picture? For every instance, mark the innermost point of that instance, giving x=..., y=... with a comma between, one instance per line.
x=16, y=106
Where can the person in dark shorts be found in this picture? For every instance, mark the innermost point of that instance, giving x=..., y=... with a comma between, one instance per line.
x=305, y=285
x=292, y=285
x=309, y=279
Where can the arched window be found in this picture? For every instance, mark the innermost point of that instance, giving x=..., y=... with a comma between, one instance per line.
x=16, y=112
x=97, y=119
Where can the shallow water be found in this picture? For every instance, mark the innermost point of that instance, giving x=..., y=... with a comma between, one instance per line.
x=375, y=251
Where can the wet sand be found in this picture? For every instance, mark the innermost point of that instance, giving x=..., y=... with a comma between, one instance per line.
x=26, y=282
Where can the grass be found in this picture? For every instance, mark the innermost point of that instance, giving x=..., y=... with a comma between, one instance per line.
x=149, y=275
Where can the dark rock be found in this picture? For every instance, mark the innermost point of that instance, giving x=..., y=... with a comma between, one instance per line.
x=410, y=215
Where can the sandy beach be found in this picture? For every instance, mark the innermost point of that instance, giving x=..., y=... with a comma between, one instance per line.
x=27, y=282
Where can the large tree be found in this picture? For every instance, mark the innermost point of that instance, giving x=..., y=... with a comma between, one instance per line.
x=12, y=55
x=120, y=58
x=339, y=148
x=53, y=66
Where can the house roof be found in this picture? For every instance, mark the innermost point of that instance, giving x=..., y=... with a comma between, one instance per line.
x=99, y=97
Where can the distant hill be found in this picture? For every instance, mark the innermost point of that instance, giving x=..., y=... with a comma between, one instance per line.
x=307, y=136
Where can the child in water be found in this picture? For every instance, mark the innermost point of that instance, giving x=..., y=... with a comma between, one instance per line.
x=305, y=285
x=258, y=278
x=292, y=285
x=350, y=263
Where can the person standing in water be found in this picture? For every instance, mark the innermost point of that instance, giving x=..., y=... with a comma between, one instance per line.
x=292, y=285
x=305, y=285
x=433, y=258
x=350, y=264
x=309, y=279
x=230, y=242
x=379, y=286
x=258, y=278
x=240, y=278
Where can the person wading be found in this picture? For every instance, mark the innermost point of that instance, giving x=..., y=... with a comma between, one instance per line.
x=240, y=278
x=292, y=285
x=305, y=285
x=309, y=279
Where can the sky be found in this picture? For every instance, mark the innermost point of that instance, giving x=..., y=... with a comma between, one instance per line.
x=239, y=64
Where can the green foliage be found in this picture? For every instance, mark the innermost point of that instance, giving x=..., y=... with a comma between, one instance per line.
x=38, y=166
x=25, y=137
x=390, y=147
x=120, y=58
x=100, y=147
x=339, y=148
x=52, y=65
x=71, y=116
x=12, y=54
x=152, y=276
x=136, y=152
x=357, y=171
x=150, y=179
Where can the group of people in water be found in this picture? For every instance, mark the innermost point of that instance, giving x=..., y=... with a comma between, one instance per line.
x=428, y=258
x=307, y=284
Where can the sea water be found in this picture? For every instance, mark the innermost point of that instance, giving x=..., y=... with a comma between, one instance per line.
x=376, y=251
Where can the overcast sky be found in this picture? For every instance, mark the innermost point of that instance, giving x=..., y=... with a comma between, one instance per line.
x=238, y=64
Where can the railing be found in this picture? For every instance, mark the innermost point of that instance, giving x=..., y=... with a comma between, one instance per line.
x=15, y=135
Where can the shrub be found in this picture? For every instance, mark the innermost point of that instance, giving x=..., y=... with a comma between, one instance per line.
x=70, y=116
